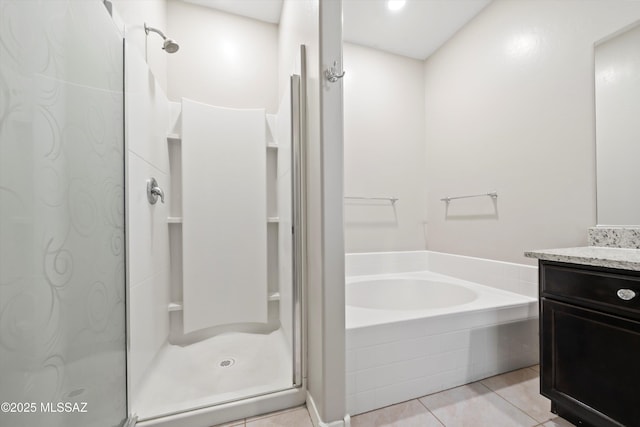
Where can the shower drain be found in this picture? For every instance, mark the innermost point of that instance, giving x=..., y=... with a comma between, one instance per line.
x=225, y=363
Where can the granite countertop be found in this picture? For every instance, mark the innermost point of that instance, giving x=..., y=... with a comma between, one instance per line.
x=625, y=259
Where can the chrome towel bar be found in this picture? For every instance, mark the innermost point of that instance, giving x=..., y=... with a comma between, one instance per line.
x=492, y=194
x=393, y=200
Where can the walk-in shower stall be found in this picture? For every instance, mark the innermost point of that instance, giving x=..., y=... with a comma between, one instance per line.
x=151, y=251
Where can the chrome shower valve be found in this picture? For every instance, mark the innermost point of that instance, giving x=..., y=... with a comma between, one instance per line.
x=154, y=191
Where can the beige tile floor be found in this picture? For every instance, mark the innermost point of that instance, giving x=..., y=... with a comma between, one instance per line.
x=507, y=400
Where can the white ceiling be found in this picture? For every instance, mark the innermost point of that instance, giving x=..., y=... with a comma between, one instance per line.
x=417, y=30
x=262, y=10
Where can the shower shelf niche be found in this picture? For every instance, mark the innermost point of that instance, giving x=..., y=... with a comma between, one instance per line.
x=178, y=306
x=175, y=219
x=178, y=220
x=274, y=296
x=175, y=306
x=174, y=137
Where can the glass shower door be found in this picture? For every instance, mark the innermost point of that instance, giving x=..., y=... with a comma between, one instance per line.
x=62, y=260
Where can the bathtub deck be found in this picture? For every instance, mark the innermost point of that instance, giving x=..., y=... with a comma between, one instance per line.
x=489, y=299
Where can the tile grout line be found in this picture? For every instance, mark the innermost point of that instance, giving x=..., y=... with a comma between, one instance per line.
x=275, y=413
x=431, y=412
x=518, y=408
x=539, y=424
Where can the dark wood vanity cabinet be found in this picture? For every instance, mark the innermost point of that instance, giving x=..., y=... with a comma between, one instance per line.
x=590, y=343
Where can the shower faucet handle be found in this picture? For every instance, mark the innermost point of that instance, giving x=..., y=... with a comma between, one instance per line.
x=153, y=191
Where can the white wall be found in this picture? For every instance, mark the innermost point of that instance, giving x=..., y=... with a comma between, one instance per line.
x=147, y=122
x=301, y=23
x=135, y=13
x=331, y=208
x=224, y=60
x=510, y=107
x=384, y=150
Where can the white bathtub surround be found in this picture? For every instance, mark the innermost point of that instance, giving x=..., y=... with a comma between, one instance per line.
x=615, y=237
x=517, y=278
x=394, y=355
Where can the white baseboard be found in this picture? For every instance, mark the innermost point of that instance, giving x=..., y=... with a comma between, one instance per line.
x=317, y=421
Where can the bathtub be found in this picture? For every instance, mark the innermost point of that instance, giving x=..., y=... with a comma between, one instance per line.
x=413, y=328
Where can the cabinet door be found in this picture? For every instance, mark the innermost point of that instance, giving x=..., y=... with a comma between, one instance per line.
x=590, y=364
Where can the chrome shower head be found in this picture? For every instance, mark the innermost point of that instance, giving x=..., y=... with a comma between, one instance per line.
x=169, y=45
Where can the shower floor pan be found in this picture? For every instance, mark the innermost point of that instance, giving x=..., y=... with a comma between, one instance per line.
x=224, y=368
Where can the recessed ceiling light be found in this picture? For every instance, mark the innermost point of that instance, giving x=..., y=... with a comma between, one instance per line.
x=395, y=5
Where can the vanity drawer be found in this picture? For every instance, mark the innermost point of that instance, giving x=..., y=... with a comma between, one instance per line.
x=606, y=289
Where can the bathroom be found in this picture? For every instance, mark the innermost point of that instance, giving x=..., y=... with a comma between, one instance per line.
x=99, y=302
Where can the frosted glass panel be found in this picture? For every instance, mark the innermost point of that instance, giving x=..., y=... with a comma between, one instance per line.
x=224, y=209
x=62, y=267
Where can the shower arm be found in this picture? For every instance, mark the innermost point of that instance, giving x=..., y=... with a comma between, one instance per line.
x=147, y=29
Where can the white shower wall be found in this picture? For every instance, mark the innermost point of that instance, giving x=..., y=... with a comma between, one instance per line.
x=224, y=210
x=147, y=122
x=134, y=13
x=224, y=59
